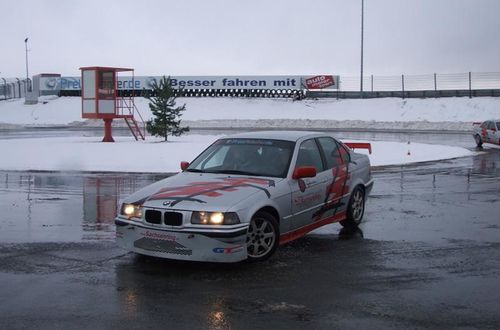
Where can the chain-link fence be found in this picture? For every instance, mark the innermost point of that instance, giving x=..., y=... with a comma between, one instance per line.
x=11, y=88
x=435, y=82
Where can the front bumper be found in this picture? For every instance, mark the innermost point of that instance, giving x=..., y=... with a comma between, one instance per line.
x=211, y=246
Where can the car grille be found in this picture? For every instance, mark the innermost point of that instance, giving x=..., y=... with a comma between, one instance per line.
x=153, y=216
x=170, y=218
x=173, y=218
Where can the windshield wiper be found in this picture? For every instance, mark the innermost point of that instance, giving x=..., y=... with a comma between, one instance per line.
x=195, y=170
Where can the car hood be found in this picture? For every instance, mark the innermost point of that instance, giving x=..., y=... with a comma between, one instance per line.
x=202, y=191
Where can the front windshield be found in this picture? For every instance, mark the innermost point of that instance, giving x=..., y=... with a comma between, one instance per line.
x=245, y=156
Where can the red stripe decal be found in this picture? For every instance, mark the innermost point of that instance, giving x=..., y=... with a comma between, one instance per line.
x=287, y=237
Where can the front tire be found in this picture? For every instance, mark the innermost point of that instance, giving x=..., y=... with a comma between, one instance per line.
x=355, y=208
x=479, y=141
x=262, y=236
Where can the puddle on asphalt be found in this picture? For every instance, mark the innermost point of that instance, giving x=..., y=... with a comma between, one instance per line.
x=456, y=199
x=63, y=207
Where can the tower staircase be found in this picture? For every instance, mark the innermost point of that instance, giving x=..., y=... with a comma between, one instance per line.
x=126, y=109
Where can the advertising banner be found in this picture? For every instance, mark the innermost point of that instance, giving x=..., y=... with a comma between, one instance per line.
x=321, y=82
x=203, y=82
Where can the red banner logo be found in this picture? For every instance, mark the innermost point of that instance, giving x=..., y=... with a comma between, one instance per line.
x=320, y=82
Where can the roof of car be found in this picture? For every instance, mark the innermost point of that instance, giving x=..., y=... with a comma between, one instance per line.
x=276, y=135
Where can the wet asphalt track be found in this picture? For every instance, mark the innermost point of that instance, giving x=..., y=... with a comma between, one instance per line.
x=428, y=256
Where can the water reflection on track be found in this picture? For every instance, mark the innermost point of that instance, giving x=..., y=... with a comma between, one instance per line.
x=73, y=207
x=43, y=207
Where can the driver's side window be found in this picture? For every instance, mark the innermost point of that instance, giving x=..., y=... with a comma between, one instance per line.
x=331, y=152
x=309, y=155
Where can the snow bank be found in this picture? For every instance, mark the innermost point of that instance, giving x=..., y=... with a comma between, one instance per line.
x=152, y=155
x=384, y=113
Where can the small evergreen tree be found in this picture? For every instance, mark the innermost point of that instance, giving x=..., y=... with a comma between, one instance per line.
x=166, y=119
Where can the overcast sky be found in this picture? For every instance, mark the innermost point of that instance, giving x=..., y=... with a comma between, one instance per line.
x=269, y=37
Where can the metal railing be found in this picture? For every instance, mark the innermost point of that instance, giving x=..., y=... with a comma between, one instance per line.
x=433, y=81
x=469, y=84
x=11, y=88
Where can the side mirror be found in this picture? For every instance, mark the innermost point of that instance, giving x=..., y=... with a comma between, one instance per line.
x=184, y=165
x=304, y=172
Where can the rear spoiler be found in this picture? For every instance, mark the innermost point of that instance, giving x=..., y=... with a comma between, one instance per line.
x=359, y=145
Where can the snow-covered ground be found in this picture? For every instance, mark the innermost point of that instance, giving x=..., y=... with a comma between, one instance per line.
x=127, y=155
x=384, y=113
x=153, y=155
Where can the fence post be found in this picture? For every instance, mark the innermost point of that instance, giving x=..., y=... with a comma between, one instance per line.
x=470, y=85
x=19, y=87
x=403, y=84
x=4, y=88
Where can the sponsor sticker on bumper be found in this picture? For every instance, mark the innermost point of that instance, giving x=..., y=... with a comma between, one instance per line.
x=178, y=245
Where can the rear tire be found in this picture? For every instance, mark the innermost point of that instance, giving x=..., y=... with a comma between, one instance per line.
x=355, y=208
x=479, y=141
x=262, y=236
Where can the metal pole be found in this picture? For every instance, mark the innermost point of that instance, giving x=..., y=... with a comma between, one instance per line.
x=435, y=83
x=362, y=30
x=403, y=84
x=372, y=83
x=19, y=87
x=470, y=85
x=4, y=89
x=27, y=72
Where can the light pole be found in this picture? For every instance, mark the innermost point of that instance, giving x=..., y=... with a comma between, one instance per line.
x=27, y=73
x=362, y=30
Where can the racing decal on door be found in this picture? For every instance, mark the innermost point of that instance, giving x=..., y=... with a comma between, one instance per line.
x=210, y=189
x=307, y=201
x=338, y=187
x=334, y=192
x=484, y=133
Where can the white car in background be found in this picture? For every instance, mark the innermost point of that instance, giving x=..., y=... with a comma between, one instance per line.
x=245, y=195
x=487, y=132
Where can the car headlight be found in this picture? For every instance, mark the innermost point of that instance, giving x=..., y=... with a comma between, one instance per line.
x=131, y=210
x=214, y=218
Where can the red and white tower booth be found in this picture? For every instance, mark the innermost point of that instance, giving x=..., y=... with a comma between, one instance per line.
x=100, y=100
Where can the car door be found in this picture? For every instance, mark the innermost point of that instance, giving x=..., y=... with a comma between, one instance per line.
x=337, y=189
x=492, y=131
x=308, y=194
x=497, y=133
x=484, y=131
